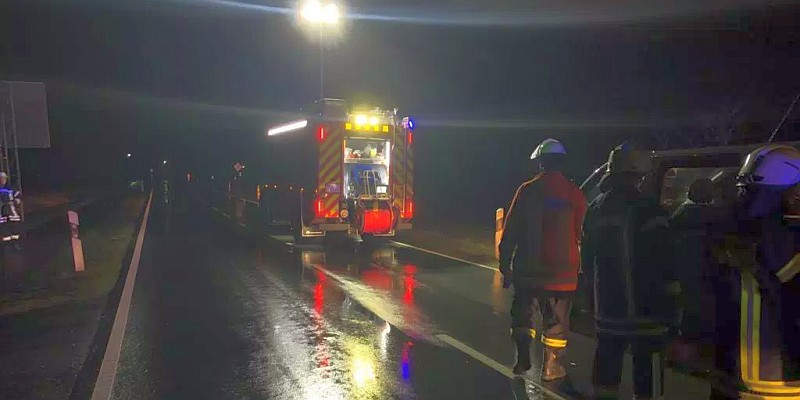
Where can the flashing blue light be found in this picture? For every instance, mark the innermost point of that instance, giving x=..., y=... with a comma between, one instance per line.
x=410, y=123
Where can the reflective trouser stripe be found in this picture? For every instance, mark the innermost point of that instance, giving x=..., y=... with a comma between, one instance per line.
x=557, y=343
x=750, y=348
x=755, y=396
x=789, y=270
x=750, y=311
x=605, y=392
x=522, y=332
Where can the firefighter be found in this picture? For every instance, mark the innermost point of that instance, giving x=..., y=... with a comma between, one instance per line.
x=539, y=255
x=10, y=219
x=626, y=263
x=758, y=331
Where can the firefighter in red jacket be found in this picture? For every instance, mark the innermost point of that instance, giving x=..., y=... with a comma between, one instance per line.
x=539, y=256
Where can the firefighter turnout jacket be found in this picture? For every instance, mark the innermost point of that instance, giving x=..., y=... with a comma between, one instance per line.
x=10, y=218
x=759, y=321
x=539, y=246
x=625, y=254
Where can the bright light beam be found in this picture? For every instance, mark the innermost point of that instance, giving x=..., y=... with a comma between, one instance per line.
x=291, y=126
x=248, y=6
x=542, y=17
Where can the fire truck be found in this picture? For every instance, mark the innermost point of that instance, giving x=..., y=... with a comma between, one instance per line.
x=336, y=169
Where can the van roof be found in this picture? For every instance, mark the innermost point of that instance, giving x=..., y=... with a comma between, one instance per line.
x=734, y=149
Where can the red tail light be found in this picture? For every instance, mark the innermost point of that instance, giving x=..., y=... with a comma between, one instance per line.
x=408, y=211
x=321, y=133
x=320, y=209
x=410, y=138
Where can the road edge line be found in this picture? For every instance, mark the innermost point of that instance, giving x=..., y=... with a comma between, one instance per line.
x=491, y=363
x=108, y=368
x=436, y=253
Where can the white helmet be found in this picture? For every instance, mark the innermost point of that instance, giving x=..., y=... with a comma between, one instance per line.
x=771, y=165
x=548, y=146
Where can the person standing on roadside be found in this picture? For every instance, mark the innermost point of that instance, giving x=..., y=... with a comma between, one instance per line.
x=758, y=282
x=626, y=259
x=539, y=256
x=10, y=219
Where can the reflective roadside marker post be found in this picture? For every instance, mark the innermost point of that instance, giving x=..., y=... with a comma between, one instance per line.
x=499, y=215
x=77, y=247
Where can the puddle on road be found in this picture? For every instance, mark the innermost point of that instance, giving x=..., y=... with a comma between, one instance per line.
x=341, y=325
x=324, y=343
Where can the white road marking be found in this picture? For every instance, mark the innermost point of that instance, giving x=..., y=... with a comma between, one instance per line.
x=477, y=355
x=242, y=225
x=108, y=369
x=489, y=362
x=408, y=246
x=226, y=215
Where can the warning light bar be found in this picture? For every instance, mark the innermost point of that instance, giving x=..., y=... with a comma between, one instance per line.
x=374, y=121
x=289, y=127
x=366, y=128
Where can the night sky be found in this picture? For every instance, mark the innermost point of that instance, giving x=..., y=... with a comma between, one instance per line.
x=197, y=81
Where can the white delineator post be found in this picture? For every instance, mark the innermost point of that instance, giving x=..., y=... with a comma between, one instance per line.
x=77, y=246
x=499, y=215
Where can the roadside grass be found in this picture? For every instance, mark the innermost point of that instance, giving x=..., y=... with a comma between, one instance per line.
x=55, y=283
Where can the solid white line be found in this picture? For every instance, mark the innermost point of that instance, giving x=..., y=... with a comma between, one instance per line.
x=108, y=369
x=487, y=361
x=405, y=245
x=477, y=355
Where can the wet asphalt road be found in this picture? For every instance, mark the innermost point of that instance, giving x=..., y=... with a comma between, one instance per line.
x=220, y=314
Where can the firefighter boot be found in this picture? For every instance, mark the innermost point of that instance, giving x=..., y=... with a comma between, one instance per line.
x=552, y=364
x=523, y=342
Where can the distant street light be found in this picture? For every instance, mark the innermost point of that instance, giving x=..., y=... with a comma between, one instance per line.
x=315, y=12
x=324, y=17
x=128, y=155
x=165, y=162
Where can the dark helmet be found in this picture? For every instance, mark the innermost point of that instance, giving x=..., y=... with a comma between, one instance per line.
x=625, y=159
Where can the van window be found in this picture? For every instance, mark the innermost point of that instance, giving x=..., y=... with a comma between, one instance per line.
x=676, y=182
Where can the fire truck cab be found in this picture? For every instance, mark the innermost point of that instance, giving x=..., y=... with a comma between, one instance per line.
x=346, y=170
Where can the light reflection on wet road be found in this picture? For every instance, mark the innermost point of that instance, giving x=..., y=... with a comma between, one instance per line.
x=221, y=315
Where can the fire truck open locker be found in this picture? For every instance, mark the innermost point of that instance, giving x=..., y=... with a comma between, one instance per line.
x=336, y=170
